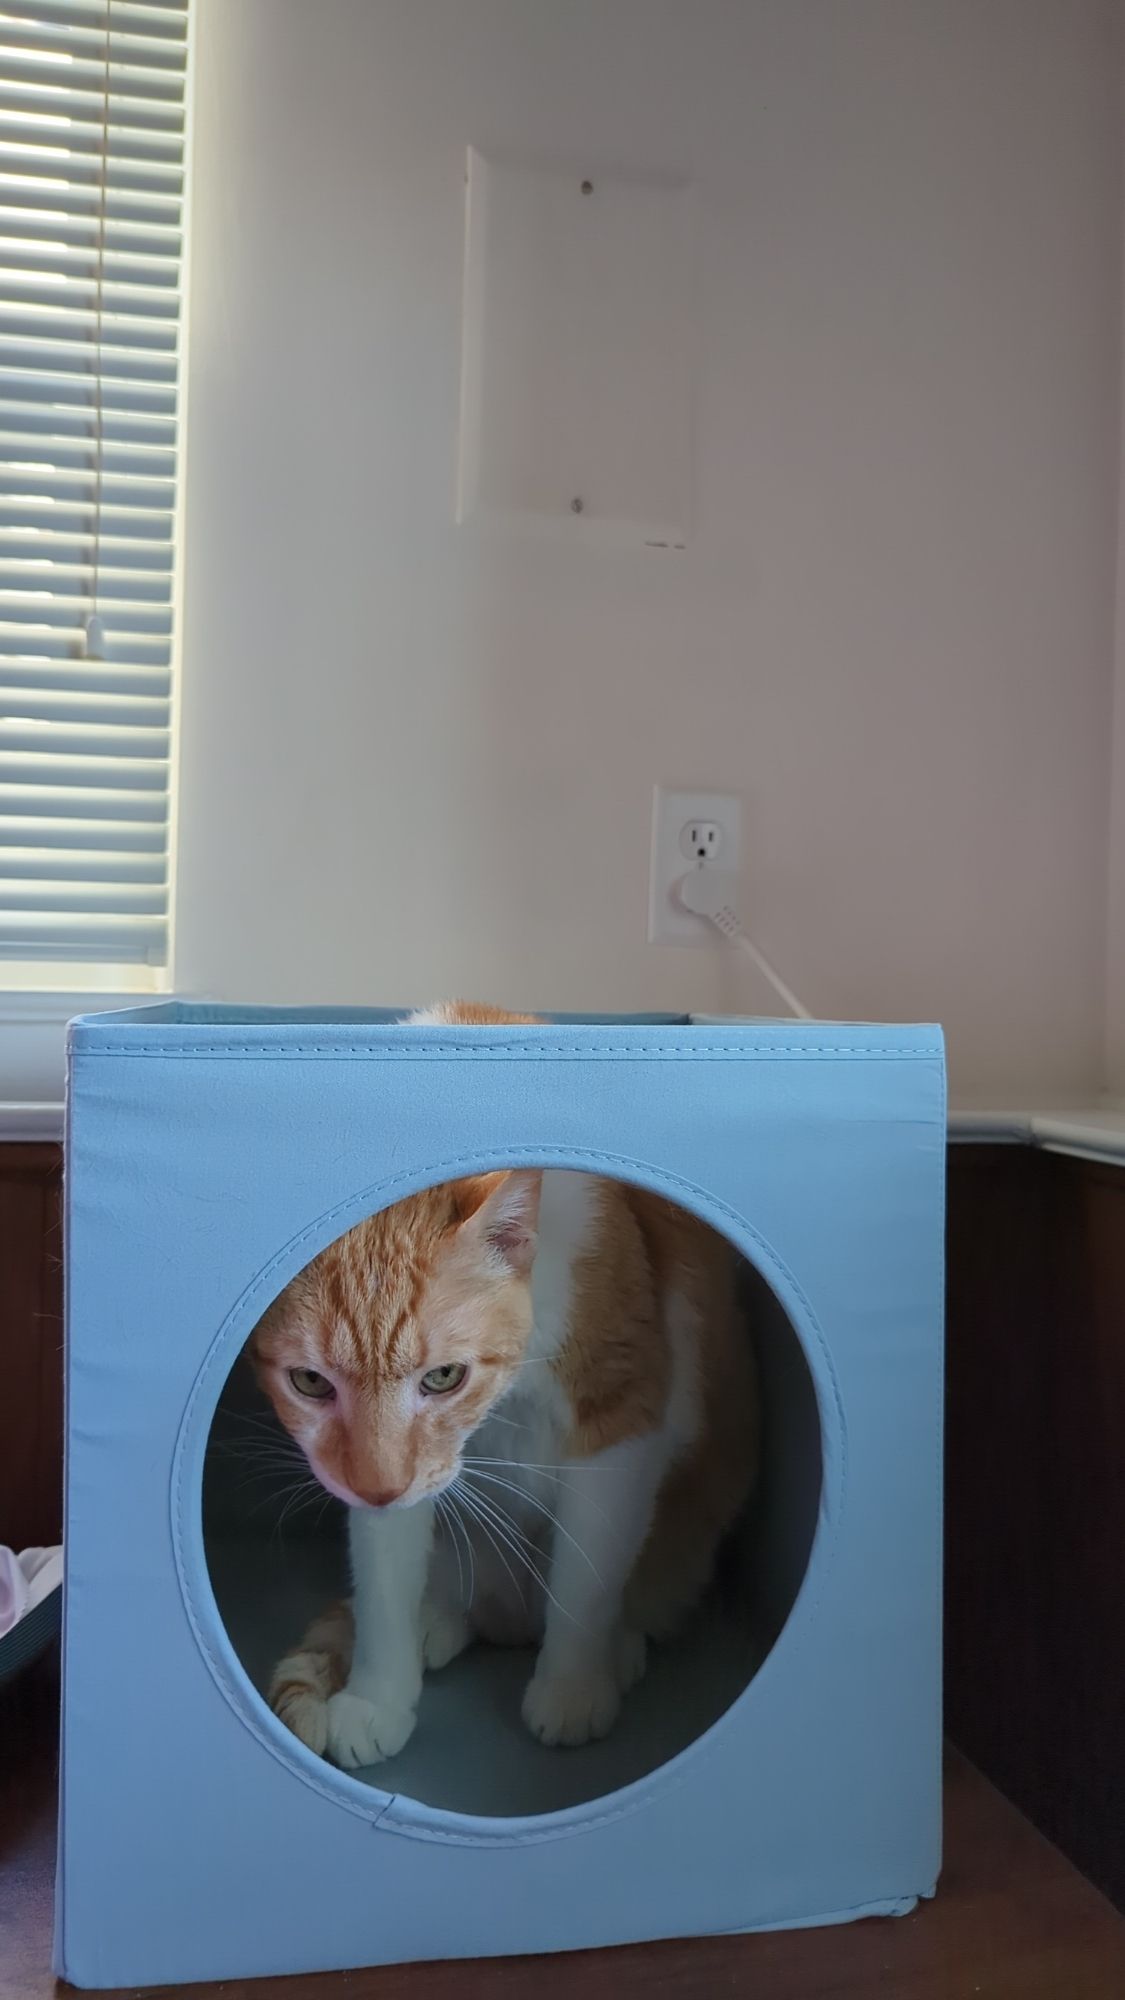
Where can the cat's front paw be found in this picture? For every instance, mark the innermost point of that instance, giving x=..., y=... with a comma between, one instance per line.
x=362, y=1731
x=572, y=1708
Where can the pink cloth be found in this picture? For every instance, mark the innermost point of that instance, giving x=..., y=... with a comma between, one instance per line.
x=25, y=1580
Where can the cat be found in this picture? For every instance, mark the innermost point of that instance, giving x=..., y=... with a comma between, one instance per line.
x=536, y=1395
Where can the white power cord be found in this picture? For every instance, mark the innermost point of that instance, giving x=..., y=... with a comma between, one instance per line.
x=708, y=892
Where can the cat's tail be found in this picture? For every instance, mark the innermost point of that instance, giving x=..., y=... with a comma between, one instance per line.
x=303, y=1681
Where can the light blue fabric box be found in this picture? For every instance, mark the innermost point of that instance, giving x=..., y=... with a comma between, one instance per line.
x=211, y=1153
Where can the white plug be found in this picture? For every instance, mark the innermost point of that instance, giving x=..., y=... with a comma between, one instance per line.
x=709, y=892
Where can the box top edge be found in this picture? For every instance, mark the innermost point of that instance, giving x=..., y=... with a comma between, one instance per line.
x=187, y=1028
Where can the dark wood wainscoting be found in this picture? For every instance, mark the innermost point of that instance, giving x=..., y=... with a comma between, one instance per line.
x=1035, y=1502
x=30, y=1345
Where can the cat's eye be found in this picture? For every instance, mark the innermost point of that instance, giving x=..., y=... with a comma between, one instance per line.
x=439, y=1381
x=308, y=1382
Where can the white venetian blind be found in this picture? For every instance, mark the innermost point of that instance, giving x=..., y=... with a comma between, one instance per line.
x=91, y=193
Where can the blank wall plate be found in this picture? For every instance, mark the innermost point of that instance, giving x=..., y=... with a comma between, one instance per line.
x=671, y=812
x=576, y=353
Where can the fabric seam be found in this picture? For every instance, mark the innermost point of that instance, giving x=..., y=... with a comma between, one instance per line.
x=463, y=1052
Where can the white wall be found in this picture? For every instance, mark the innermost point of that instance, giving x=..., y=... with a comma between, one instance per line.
x=1115, y=953
x=418, y=759
x=1115, y=903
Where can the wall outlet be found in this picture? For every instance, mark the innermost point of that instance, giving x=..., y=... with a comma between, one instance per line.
x=702, y=841
x=689, y=830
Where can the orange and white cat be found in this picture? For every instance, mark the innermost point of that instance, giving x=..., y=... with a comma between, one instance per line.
x=535, y=1393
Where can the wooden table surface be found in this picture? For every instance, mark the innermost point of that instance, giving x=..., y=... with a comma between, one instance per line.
x=1011, y=1920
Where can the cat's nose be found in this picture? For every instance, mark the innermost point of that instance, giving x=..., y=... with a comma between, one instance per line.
x=379, y=1496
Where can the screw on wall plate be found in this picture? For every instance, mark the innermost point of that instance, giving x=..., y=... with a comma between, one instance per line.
x=577, y=505
x=587, y=187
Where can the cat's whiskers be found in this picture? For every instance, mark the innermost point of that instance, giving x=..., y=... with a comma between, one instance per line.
x=556, y=1472
x=489, y=1512
x=450, y=1498
x=268, y=1437
x=479, y=1500
x=273, y=1464
x=469, y=1551
x=536, y=1465
x=269, y=1425
x=530, y=1542
x=442, y=1512
x=270, y=1475
x=472, y=1503
x=300, y=1496
x=256, y=1467
x=275, y=1440
x=300, y=1504
x=522, y=1493
x=237, y=1446
x=265, y=1455
x=495, y=1521
x=276, y=1495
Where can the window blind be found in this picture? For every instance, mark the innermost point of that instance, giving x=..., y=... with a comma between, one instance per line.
x=92, y=116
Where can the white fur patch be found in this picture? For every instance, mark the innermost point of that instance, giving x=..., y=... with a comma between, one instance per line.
x=362, y=1732
x=513, y=1479
x=683, y=1411
x=572, y=1708
x=568, y=1220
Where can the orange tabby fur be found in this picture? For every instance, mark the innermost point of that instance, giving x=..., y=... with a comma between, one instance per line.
x=372, y=1300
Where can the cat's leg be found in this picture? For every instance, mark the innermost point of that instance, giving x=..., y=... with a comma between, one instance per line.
x=373, y=1716
x=446, y=1627
x=678, y=1562
x=589, y=1656
x=304, y=1681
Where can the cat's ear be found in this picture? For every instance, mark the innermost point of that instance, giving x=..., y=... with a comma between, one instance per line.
x=500, y=1212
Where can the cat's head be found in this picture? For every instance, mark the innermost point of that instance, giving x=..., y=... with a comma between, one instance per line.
x=387, y=1351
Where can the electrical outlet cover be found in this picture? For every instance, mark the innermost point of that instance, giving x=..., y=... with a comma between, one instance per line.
x=672, y=811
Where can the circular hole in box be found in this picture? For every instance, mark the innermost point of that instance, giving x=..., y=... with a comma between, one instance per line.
x=276, y=1551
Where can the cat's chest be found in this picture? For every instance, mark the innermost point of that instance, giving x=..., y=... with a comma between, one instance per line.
x=515, y=1458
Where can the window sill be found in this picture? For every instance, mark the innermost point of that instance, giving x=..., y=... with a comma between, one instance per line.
x=24, y=1124
x=33, y=1052
x=1095, y=1132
